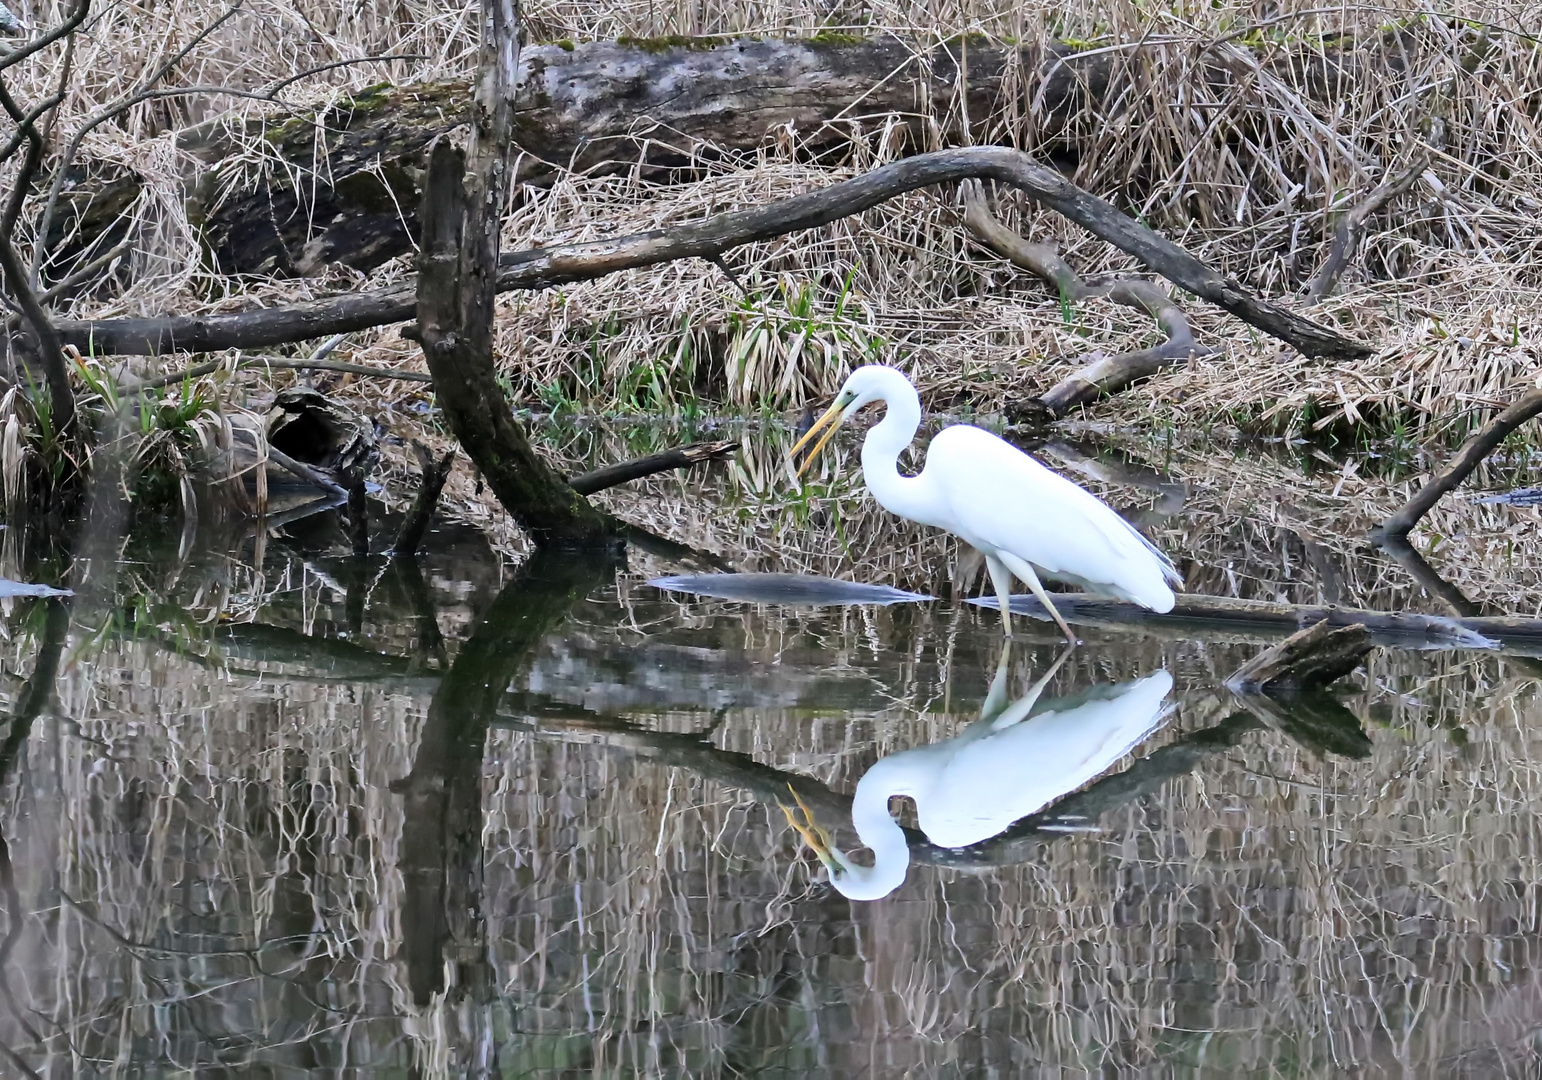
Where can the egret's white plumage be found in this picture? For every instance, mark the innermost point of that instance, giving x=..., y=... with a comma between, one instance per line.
x=1027, y=521
x=1002, y=768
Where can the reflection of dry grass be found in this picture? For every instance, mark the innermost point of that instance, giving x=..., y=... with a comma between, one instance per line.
x=227, y=850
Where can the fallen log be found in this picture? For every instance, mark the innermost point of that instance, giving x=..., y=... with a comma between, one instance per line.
x=662, y=109
x=1224, y=618
x=561, y=264
x=681, y=457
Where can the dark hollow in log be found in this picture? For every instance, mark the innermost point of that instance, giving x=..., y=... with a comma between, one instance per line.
x=545, y=267
x=1309, y=659
x=1468, y=458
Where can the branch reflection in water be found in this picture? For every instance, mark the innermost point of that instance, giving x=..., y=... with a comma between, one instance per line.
x=1012, y=762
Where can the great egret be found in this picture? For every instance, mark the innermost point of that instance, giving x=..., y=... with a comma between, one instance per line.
x=999, y=770
x=1025, y=520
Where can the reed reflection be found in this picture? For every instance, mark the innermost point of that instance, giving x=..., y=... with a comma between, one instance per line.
x=1016, y=759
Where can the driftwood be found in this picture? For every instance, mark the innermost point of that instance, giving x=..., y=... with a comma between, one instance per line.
x=1472, y=453
x=1346, y=237
x=1106, y=375
x=545, y=267
x=1309, y=659
x=682, y=457
x=1196, y=617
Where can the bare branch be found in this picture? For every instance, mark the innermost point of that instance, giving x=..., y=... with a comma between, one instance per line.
x=1347, y=236
x=1483, y=443
x=545, y=267
x=682, y=457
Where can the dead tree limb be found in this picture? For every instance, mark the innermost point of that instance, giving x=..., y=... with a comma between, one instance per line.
x=565, y=263
x=434, y=474
x=1346, y=238
x=457, y=286
x=682, y=457
x=1309, y=659
x=1472, y=453
x=1107, y=375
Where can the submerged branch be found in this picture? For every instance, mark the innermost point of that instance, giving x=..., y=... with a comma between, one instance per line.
x=565, y=263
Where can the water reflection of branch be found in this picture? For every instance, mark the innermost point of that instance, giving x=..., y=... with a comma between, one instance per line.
x=771, y=785
x=441, y=846
x=39, y=688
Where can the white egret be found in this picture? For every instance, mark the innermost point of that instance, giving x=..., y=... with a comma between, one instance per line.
x=999, y=770
x=1026, y=520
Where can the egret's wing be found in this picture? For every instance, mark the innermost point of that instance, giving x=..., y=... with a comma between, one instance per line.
x=1001, y=497
x=989, y=783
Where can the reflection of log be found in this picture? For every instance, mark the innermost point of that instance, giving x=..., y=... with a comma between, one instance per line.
x=1223, y=618
x=1309, y=659
x=545, y=267
x=1315, y=719
x=441, y=845
x=1472, y=453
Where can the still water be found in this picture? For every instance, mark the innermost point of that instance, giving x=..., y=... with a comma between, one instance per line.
x=284, y=813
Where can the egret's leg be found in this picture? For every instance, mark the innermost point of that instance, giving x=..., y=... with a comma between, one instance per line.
x=1001, y=578
x=1024, y=705
x=1024, y=570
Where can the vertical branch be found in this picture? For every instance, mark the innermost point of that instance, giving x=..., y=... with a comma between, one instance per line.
x=45, y=340
x=457, y=288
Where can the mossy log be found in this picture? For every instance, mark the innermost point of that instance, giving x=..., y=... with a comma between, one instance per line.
x=663, y=108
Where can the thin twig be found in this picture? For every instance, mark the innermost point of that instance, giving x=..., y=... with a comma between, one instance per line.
x=682, y=457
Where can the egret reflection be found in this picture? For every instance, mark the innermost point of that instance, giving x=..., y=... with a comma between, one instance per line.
x=1015, y=760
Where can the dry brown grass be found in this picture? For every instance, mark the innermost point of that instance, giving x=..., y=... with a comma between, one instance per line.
x=1251, y=175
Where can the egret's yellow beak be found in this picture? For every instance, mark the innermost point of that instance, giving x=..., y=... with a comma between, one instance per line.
x=831, y=420
x=812, y=832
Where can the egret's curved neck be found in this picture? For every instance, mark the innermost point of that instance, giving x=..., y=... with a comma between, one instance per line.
x=885, y=442
x=880, y=833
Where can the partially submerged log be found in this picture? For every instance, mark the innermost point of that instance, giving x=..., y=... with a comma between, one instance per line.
x=1309, y=659
x=1229, y=619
